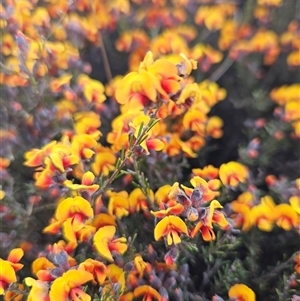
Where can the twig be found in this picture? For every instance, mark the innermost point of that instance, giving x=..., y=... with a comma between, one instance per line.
x=221, y=70
x=275, y=271
x=104, y=57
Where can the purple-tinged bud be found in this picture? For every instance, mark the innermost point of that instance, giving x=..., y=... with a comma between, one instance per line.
x=178, y=295
x=164, y=294
x=169, y=282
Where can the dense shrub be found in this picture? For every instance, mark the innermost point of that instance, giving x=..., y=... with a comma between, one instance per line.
x=150, y=150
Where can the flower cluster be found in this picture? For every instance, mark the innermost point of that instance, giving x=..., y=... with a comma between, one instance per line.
x=173, y=181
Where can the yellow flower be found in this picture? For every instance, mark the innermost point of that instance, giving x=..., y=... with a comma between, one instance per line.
x=72, y=214
x=7, y=275
x=105, y=243
x=170, y=227
x=118, y=203
x=115, y=284
x=208, y=172
x=67, y=287
x=262, y=215
x=104, y=161
x=286, y=217
x=39, y=289
x=241, y=292
x=233, y=173
x=148, y=292
x=138, y=201
x=96, y=268
x=86, y=184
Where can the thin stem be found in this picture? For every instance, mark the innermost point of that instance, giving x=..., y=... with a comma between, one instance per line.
x=104, y=57
x=141, y=179
x=221, y=70
x=129, y=154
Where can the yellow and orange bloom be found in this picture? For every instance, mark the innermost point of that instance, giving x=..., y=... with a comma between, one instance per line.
x=286, y=217
x=176, y=209
x=138, y=201
x=148, y=293
x=262, y=215
x=208, y=172
x=115, y=283
x=150, y=142
x=9, y=267
x=214, y=127
x=82, y=146
x=7, y=275
x=93, y=90
x=68, y=286
x=140, y=265
x=104, y=161
x=118, y=203
x=86, y=123
x=71, y=214
x=161, y=196
x=105, y=243
x=297, y=261
x=233, y=173
x=96, y=268
x=39, y=289
x=41, y=263
x=241, y=292
x=207, y=232
x=86, y=184
x=170, y=227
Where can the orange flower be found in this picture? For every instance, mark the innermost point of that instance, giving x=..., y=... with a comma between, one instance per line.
x=36, y=157
x=211, y=93
x=16, y=295
x=57, y=84
x=297, y=265
x=41, y=263
x=148, y=292
x=103, y=219
x=233, y=173
x=14, y=257
x=170, y=227
x=208, y=172
x=105, y=244
x=96, y=268
x=67, y=287
x=176, y=209
x=241, y=292
x=206, y=231
x=206, y=55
